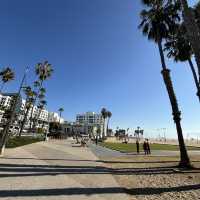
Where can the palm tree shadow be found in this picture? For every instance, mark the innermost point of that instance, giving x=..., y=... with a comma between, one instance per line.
x=101, y=161
x=95, y=191
x=22, y=170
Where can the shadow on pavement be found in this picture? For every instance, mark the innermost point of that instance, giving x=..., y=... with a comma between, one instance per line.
x=22, y=170
x=102, y=161
x=95, y=191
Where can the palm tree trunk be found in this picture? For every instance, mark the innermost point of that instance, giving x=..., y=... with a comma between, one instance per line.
x=107, y=126
x=195, y=78
x=103, y=133
x=60, y=117
x=184, y=159
x=193, y=31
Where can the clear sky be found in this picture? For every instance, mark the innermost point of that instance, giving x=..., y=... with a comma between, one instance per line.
x=100, y=59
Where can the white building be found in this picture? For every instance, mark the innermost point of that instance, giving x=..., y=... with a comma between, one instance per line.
x=43, y=116
x=89, y=118
x=91, y=122
x=54, y=117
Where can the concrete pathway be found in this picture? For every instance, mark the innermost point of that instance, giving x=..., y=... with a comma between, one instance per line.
x=56, y=170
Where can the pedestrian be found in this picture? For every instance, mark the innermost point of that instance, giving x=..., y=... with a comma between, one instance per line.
x=138, y=146
x=145, y=147
x=148, y=147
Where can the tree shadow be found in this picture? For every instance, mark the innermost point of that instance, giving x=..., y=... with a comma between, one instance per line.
x=95, y=191
x=101, y=161
x=22, y=170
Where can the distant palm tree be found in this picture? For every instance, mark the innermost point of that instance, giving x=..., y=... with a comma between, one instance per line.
x=109, y=115
x=158, y=23
x=60, y=113
x=6, y=75
x=179, y=48
x=104, y=114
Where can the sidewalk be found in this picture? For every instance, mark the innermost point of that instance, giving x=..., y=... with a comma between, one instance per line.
x=56, y=170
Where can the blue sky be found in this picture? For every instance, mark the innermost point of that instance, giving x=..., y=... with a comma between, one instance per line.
x=100, y=59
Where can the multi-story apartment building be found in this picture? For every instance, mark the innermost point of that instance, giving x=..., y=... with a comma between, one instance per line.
x=90, y=122
x=43, y=117
x=89, y=118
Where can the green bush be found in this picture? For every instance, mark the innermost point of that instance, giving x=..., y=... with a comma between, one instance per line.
x=21, y=141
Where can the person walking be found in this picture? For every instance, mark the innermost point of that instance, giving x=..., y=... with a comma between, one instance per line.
x=138, y=146
x=148, y=147
x=145, y=147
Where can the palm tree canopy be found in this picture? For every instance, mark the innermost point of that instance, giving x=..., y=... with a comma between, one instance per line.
x=41, y=96
x=61, y=109
x=160, y=20
x=36, y=84
x=197, y=13
x=178, y=46
x=109, y=114
x=29, y=92
x=42, y=104
x=43, y=70
x=104, y=112
x=42, y=90
x=7, y=74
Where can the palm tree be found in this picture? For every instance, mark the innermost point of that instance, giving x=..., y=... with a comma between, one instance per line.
x=6, y=75
x=43, y=71
x=179, y=48
x=158, y=22
x=193, y=31
x=109, y=115
x=104, y=114
x=197, y=14
x=60, y=110
x=30, y=95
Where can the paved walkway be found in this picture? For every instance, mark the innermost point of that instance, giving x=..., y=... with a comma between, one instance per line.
x=56, y=170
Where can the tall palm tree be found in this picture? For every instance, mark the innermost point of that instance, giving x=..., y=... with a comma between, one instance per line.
x=193, y=31
x=197, y=14
x=6, y=75
x=104, y=114
x=60, y=110
x=109, y=115
x=44, y=72
x=158, y=22
x=179, y=48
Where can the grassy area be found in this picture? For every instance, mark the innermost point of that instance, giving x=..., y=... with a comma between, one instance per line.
x=21, y=141
x=130, y=147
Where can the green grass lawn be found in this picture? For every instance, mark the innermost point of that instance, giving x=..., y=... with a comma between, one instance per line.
x=130, y=147
x=21, y=141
